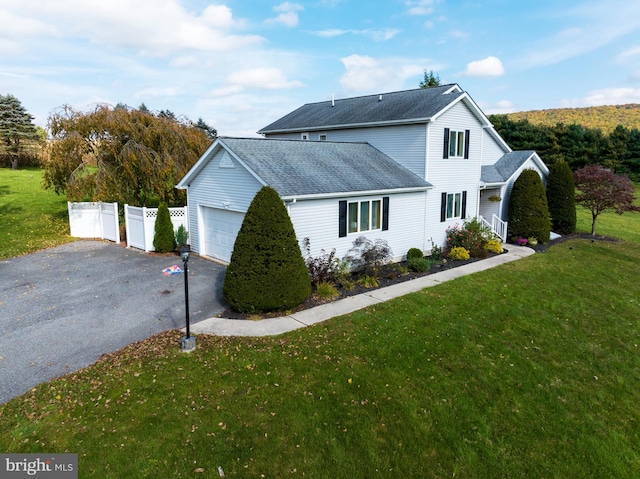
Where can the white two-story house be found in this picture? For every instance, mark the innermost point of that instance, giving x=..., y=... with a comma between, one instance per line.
x=401, y=166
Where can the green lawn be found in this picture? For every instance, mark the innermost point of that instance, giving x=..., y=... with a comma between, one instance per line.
x=31, y=218
x=530, y=369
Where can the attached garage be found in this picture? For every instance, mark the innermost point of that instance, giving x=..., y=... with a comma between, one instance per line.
x=220, y=228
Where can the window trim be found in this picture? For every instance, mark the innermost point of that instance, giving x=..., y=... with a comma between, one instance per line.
x=347, y=225
x=322, y=137
x=304, y=136
x=458, y=141
x=446, y=207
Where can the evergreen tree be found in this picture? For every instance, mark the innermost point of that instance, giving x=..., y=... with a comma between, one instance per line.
x=267, y=271
x=430, y=79
x=528, y=208
x=561, y=198
x=17, y=130
x=164, y=240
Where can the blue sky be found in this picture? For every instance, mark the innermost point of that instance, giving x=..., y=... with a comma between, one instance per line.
x=240, y=65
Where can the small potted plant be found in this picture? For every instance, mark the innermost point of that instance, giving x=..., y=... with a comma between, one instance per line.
x=533, y=241
x=522, y=241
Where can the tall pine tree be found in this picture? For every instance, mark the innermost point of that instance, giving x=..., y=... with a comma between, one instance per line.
x=561, y=197
x=16, y=128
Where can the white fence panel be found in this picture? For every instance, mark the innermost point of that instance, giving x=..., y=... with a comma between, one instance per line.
x=141, y=224
x=94, y=220
x=134, y=222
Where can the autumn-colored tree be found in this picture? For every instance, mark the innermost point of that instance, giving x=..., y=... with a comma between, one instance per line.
x=600, y=189
x=121, y=154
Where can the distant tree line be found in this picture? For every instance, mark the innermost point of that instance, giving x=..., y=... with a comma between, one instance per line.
x=579, y=146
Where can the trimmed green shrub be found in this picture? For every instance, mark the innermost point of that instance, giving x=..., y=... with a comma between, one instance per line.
x=419, y=265
x=528, y=209
x=164, y=240
x=561, y=197
x=459, y=253
x=414, y=253
x=267, y=271
x=182, y=235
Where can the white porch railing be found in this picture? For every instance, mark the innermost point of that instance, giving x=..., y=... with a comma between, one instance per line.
x=141, y=221
x=497, y=226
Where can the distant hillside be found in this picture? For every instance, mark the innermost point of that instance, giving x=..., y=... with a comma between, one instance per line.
x=605, y=118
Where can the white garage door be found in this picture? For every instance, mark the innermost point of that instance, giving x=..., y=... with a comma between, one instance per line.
x=220, y=230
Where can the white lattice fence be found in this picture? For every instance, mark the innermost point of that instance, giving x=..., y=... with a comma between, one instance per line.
x=94, y=220
x=141, y=221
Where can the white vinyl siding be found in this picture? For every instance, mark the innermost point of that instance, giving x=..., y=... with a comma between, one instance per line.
x=227, y=186
x=220, y=228
x=319, y=221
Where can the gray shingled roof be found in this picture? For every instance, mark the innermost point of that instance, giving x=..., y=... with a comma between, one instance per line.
x=505, y=167
x=296, y=167
x=398, y=106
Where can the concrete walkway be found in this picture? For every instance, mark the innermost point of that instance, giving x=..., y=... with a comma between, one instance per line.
x=283, y=324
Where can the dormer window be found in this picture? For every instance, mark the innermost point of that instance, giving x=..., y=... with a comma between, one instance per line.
x=304, y=136
x=322, y=137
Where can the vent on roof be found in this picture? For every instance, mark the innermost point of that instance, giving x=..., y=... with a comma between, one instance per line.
x=333, y=100
x=226, y=161
x=380, y=98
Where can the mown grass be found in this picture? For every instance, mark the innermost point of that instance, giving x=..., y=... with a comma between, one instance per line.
x=527, y=370
x=31, y=218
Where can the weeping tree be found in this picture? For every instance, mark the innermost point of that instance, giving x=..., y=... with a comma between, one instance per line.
x=121, y=154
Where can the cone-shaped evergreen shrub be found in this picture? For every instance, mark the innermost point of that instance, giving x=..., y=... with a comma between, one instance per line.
x=528, y=209
x=164, y=239
x=561, y=196
x=267, y=271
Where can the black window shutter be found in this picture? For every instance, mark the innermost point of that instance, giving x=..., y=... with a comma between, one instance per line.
x=445, y=153
x=467, y=134
x=385, y=213
x=464, y=205
x=443, y=208
x=342, y=219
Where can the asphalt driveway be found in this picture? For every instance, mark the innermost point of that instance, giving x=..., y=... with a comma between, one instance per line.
x=64, y=307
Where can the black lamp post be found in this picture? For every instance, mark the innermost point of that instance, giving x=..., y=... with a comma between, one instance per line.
x=188, y=343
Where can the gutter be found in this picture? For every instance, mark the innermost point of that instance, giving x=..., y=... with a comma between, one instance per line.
x=350, y=194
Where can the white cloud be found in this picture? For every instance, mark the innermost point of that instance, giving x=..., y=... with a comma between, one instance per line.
x=501, y=107
x=632, y=52
x=490, y=66
x=269, y=78
x=288, y=14
x=151, y=27
x=420, y=7
x=158, y=92
x=364, y=73
x=378, y=35
x=606, y=96
x=595, y=25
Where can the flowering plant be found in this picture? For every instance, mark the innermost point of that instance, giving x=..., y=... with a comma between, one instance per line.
x=522, y=241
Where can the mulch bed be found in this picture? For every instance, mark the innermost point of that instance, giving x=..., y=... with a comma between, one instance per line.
x=390, y=275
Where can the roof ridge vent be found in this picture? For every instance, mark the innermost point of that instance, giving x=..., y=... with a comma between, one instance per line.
x=333, y=100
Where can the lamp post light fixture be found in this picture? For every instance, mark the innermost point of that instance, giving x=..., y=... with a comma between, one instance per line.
x=188, y=342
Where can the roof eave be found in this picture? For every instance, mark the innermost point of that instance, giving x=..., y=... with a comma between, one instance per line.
x=348, y=194
x=412, y=121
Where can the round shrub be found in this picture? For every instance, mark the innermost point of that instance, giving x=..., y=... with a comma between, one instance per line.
x=414, y=253
x=164, y=239
x=267, y=271
x=419, y=265
x=494, y=246
x=528, y=209
x=561, y=196
x=459, y=253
